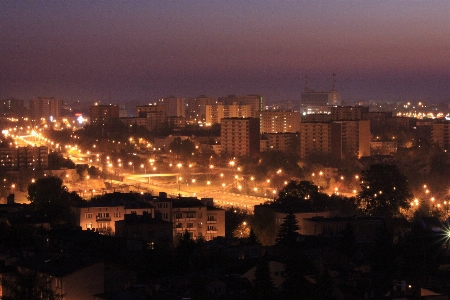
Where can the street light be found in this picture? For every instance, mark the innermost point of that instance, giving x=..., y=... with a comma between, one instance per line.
x=131, y=164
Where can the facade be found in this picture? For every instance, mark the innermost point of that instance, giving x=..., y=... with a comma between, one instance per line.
x=45, y=107
x=12, y=107
x=143, y=110
x=279, y=121
x=196, y=108
x=315, y=138
x=383, y=147
x=350, y=138
x=103, y=114
x=285, y=142
x=215, y=113
x=440, y=135
x=240, y=136
x=339, y=138
x=130, y=122
x=173, y=106
x=24, y=158
x=75, y=276
x=198, y=217
x=348, y=113
x=256, y=102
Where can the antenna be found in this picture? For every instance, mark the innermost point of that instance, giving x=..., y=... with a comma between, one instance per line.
x=306, y=83
x=333, y=87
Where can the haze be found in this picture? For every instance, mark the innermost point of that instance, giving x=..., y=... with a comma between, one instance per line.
x=106, y=50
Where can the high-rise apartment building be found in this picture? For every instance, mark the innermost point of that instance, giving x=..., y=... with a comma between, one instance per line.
x=337, y=138
x=196, y=108
x=45, y=107
x=318, y=102
x=255, y=101
x=173, y=106
x=24, y=158
x=12, y=107
x=103, y=114
x=348, y=113
x=279, y=121
x=440, y=134
x=240, y=136
x=215, y=113
x=143, y=110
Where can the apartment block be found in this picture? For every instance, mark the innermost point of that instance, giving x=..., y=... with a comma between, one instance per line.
x=24, y=158
x=338, y=138
x=215, y=113
x=45, y=107
x=196, y=108
x=279, y=121
x=173, y=106
x=103, y=114
x=240, y=136
x=199, y=217
x=347, y=113
x=440, y=134
x=285, y=142
x=255, y=101
x=315, y=138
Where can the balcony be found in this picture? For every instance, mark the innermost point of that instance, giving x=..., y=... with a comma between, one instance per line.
x=211, y=231
x=211, y=222
x=102, y=218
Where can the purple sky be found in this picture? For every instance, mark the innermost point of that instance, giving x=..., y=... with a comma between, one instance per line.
x=143, y=50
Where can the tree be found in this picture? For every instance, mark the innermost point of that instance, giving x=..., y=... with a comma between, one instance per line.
x=182, y=148
x=384, y=190
x=263, y=287
x=287, y=234
x=50, y=199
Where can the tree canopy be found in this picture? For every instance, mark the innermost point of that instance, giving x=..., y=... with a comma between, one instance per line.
x=50, y=199
x=384, y=190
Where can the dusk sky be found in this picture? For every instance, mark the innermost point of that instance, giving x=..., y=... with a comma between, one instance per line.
x=143, y=50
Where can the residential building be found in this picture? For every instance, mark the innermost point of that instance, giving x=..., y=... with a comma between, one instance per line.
x=338, y=138
x=383, y=147
x=215, y=113
x=103, y=114
x=24, y=158
x=173, y=106
x=143, y=110
x=279, y=121
x=45, y=107
x=285, y=142
x=240, y=136
x=347, y=113
x=440, y=134
x=256, y=102
x=199, y=217
x=196, y=108
x=73, y=275
x=12, y=107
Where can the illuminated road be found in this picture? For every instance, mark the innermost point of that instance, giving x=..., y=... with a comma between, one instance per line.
x=155, y=184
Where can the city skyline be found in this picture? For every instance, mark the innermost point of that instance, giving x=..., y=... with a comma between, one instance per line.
x=119, y=51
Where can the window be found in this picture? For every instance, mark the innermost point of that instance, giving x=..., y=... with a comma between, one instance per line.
x=88, y=216
x=117, y=214
x=165, y=215
x=178, y=216
x=190, y=225
x=190, y=215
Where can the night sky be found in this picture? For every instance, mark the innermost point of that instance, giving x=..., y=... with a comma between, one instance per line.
x=143, y=50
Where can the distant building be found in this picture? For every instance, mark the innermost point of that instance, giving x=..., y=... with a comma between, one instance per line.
x=440, y=134
x=338, y=138
x=24, y=158
x=279, y=121
x=317, y=102
x=348, y=113
x=215, y=113
x=199, y=218
x=76, y=276
x=173, y=106
x=12, y=107
x=103, y=114
x=240, y=136
x=196, y=108
x=256, y=102
x=383, y=147
x=285, y=142
x=45, y=107
x=143, y=110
